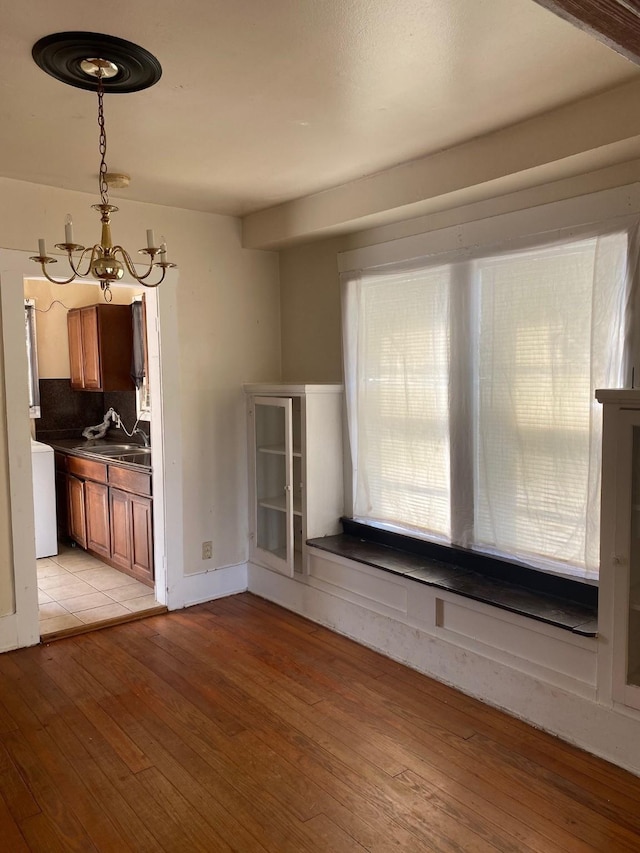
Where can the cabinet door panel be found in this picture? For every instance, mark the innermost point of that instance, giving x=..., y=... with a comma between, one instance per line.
x=74, y=327
x=62, y=504
x=96, y=498
x=142, y=537
x=91, y=349
x=77, y=523
x=120, y=506
x=272, y=465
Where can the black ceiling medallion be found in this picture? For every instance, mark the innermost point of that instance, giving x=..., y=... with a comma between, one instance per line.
x=62, y=55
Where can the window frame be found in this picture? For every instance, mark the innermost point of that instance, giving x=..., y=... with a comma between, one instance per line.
x=437, y=248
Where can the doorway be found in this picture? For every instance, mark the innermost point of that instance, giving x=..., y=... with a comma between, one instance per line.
x=15, y=267
x=90, y=576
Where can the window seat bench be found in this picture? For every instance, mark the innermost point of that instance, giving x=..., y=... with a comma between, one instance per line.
x=563, y=602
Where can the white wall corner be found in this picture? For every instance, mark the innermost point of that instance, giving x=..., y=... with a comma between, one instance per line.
x=205, y=586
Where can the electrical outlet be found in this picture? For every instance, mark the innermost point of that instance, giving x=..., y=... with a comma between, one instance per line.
x=207, y=550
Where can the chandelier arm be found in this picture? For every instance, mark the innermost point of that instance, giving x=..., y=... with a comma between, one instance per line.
x=76, y=266
x=161, y=279
x=130, y=265
x=132, y=270
x=56, y=280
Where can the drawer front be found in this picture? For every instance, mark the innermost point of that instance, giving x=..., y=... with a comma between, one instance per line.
x=88, y=469
x=137, y=482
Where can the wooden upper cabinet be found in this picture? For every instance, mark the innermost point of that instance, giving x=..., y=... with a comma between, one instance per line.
x=75, y=349
x=89, y=325
x=100, y=347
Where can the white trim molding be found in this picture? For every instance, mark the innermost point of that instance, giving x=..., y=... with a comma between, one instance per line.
x=603, y=206
x=166, y=434
x=205, y=586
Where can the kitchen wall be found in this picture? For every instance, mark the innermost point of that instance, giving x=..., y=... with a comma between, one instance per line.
x=229, y=333
x=53, y=301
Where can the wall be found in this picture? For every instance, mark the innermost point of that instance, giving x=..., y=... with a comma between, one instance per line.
x=310, y=312
x=309, y=283
x=228, y=327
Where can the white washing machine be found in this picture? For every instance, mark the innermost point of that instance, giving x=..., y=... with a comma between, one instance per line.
x=44, y=499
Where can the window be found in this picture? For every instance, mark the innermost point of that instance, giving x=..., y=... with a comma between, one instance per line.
x=471, y=403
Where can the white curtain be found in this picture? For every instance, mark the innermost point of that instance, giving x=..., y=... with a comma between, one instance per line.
x=470, y=394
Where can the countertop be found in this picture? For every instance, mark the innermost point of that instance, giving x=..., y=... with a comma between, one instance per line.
x=91, y=449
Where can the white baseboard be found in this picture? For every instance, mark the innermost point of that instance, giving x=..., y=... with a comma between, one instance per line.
x=607, y=731
x=205, y=586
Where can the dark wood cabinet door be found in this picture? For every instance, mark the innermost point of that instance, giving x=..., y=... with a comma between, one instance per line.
x=76, y=358
x=100, y=347
x=62, y=504
x=115, y=334
x=77, y=523
x=120, y=506
x=91, y=349
x=142, y=537
x=96, y=500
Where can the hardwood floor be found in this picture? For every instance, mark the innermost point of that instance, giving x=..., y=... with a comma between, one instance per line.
x=236, y=725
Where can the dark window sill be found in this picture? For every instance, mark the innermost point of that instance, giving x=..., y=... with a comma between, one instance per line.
x=565, y=603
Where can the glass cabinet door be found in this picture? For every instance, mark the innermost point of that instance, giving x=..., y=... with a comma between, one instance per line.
x=273, y=466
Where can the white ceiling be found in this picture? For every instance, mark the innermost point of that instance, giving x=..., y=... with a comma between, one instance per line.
x=263, y=101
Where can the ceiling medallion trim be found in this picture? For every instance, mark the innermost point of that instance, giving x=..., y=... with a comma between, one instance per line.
x=62, y=56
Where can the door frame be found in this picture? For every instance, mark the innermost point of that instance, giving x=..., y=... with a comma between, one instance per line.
x=166, y=436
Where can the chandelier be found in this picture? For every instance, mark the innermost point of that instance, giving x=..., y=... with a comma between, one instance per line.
x=91, y=61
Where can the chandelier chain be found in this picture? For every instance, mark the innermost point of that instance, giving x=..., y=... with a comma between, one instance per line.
x=102, y=180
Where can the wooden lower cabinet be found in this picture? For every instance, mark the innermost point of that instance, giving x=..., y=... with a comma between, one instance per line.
x=75, y=505
x=96, y=504
x=62, y=504
x=141, y=537
x=106, y=515
x=120, y=506
x=132, y=533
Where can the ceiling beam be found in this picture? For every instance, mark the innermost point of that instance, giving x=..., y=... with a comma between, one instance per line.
x=616, y=23
x=587, y=135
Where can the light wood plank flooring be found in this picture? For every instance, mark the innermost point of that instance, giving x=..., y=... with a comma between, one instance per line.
x=236, y=725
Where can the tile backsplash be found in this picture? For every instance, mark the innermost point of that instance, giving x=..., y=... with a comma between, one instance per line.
x=65, y=412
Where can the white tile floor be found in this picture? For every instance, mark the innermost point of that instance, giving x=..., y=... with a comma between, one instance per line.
x=76, y=589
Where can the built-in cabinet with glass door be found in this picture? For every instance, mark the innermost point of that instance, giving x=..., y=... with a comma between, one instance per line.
x=619, y=592
x=295, y=434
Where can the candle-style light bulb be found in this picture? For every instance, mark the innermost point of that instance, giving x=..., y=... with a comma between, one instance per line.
x=151, y=239
x=68, y=229
x=42, y=250
x=163, y=251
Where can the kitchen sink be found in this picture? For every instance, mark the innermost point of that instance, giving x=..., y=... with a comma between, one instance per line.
x=113, y=449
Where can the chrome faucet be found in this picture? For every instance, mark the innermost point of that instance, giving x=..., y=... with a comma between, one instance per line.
x=135, y=431
x=145, y=437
